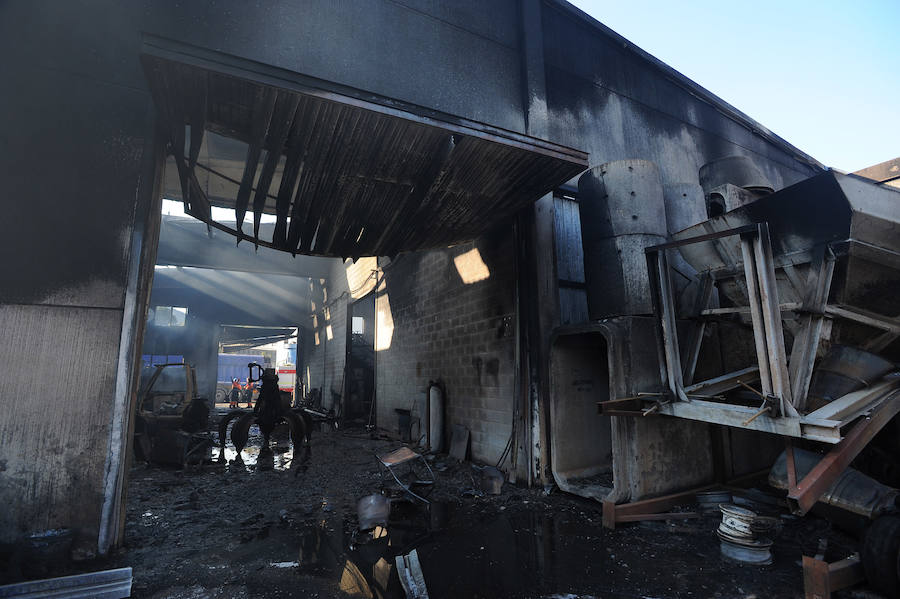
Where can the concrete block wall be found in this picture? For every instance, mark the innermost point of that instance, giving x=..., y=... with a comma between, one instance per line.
x=432, y=325
x=323, y=353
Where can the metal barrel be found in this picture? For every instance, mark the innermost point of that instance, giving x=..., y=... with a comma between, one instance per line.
x=622, y=212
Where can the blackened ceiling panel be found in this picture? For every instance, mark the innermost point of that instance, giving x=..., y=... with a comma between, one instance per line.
x=344, y=176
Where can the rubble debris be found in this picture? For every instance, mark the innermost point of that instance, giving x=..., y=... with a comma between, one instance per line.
x=881, y=554
x=411, y=577
x=738, y=540
x=709, y=501
x=492, y=480
x=459, y=442
x=410, y=472
x=107, y=584
x=373, y=510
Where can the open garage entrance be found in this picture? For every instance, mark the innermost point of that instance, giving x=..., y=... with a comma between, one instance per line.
x=330, y=176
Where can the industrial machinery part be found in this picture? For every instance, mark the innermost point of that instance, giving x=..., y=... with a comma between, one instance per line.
x=842, y=370
x=622, y=212
x=739, y=171
x=171, y=419
x=271, y=409
x=851, y=490
x=881, y=555
x=435, y=414
x=821, y=578
x=736, y=521
x=746, y=550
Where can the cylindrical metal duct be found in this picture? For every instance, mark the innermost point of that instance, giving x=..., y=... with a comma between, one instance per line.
x=622, y=212
x=685, y=206
x=852, y=491
x=739, y=171
x=843, y=370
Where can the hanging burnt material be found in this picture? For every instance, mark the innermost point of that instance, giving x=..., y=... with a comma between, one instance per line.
x=344, y=172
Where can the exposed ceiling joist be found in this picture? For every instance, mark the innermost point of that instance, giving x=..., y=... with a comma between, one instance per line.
x=344, y=176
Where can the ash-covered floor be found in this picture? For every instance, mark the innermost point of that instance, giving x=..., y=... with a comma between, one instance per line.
x=286, y=528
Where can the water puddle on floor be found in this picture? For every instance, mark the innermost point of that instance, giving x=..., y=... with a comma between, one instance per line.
x=251, y=458
x=461, y=555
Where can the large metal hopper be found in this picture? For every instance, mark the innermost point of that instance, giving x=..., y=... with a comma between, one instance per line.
x=814, y=271
x=853, y=219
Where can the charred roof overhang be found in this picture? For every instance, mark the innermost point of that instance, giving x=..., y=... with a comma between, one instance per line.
x=346, y=174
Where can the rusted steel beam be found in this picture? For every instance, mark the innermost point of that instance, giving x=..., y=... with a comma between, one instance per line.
x=647, y=508
x=725, y=382
x=821, y=579
x=804, y=495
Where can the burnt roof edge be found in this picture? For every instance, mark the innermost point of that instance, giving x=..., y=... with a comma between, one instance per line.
x=688, y=84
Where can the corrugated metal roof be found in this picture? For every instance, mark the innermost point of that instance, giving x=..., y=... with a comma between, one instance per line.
x=345, y=177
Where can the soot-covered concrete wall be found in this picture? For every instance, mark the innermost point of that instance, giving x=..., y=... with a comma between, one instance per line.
x=77, y=120
x=449, y=316
x=606, y=97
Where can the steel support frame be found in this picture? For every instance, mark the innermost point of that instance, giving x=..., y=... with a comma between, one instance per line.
x=765, y=313
x=803, y=494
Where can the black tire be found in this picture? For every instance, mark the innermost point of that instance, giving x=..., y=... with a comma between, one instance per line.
x=881, y=555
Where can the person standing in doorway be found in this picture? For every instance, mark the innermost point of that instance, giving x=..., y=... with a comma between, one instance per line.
x=248, y=392
x=235, y=393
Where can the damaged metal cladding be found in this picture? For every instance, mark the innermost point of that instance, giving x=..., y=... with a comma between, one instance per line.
x=622, y=212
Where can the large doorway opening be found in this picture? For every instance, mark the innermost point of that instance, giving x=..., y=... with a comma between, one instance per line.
x=360, y=388
x=241, y=345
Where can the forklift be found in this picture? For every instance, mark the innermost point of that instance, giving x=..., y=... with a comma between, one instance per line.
x=171, y=420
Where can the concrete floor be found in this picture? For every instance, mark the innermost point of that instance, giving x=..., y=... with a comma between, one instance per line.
x=285, y=527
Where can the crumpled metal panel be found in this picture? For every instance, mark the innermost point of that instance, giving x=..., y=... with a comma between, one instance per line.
x=347, y=177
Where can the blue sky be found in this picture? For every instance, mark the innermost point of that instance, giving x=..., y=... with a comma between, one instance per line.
x=824, y=75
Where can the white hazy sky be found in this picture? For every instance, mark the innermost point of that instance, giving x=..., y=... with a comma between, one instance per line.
x=823, y=75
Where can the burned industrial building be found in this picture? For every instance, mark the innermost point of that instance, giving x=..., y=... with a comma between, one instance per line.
x=460, y=299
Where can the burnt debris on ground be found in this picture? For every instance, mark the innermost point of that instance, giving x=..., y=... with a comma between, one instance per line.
x=287, y=526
